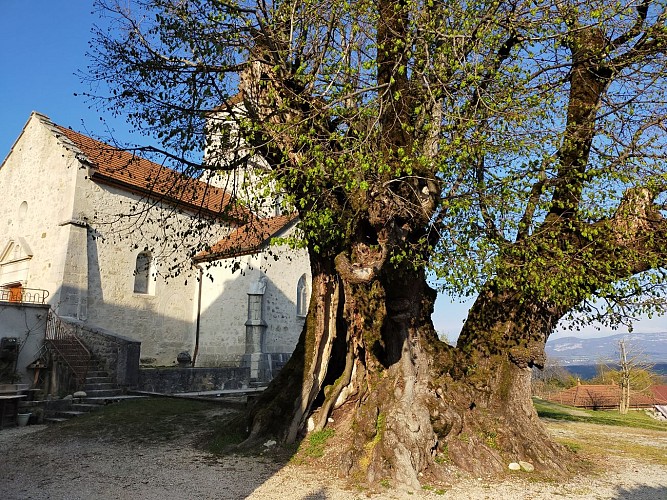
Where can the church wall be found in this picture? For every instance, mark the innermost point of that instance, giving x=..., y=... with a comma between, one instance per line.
x=248, y=184
x=37, y=180
x=85, y=256
x=225, y=304
x=283, y=324
x=163, y=318
x=224, y=310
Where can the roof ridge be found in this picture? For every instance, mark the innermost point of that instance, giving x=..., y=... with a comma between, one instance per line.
x=59, y=135
x=132, y=172
x=243, y=241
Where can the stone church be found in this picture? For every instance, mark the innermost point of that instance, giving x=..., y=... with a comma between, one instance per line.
x=121, y=244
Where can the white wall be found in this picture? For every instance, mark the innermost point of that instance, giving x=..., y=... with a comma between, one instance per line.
x=42, y=175
x=250, y=181
x=163, y=320
x=84, y=245
x=225, y=304
x=28, y=323
x=84, y=249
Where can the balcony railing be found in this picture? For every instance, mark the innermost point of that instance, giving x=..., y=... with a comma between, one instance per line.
x=23, y=295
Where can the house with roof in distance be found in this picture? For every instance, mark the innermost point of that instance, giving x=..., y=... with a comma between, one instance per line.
x=118, y=244
x=608, y=397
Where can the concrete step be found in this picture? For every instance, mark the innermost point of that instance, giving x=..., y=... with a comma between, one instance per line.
x=54, y=420
x=99, y=386
x=95, y=393
x=97, y=373
x=104, y=400
x=69, y=414
x=85, y=407
x=98, y=380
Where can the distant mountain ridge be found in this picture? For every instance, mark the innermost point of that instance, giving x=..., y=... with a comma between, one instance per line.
x=578, y=351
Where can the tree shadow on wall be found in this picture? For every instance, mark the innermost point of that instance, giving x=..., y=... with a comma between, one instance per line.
x=222, y=339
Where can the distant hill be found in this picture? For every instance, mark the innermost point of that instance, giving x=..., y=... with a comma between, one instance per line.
x=578, y=351
x=586, y=372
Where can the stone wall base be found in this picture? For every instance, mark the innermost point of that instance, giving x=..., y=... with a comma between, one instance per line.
x=264, y=366
x=177, y=379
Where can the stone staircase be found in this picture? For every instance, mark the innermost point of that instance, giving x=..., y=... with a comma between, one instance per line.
x=62, y=340
x=99, y=389
x=73, y=354
x=99, y=386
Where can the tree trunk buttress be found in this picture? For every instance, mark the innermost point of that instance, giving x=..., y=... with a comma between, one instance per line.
x=381, y=412
x=284, y=407
x=370, y=366
x=502, y=340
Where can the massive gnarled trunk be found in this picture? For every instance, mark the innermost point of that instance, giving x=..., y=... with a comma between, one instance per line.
x=370, y=365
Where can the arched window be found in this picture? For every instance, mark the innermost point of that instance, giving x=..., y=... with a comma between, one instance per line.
x=302, y=297
x=143, y=272
x=23, y=210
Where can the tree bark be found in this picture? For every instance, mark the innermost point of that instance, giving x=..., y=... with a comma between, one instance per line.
x=502, y=340
x=624, y=404
x=369, y=365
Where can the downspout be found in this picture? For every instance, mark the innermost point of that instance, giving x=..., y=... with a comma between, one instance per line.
x=196, y=349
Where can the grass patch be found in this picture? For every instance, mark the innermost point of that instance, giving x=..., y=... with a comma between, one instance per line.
x=143, y=421
x=437, y=491
x=571, y=446
x=443, y=456
x=226, y=434
x=635, y=438
x=317, y=442
x=600, y=446
x=636, y=419
x=489, y=438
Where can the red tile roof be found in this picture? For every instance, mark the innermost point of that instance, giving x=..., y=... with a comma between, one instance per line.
x=129, y=171
x=247, y=239
x=601, y=396
x=660, y=393
x=234, y=100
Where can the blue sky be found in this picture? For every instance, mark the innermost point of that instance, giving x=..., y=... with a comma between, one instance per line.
x=43, y=46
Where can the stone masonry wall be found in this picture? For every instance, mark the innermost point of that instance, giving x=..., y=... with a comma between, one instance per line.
x=163, y=319
x=225, y=304
x=175, y=380
x=40, y=176
x=118, y=354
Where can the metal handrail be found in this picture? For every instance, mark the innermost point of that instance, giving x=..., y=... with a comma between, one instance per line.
x=59, y=330
x=23, y=295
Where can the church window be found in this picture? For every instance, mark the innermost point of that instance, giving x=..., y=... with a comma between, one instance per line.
x=302, y=297
x=23, y=210
x=143, y=272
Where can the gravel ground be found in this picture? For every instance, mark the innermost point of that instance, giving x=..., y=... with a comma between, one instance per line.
x=33, y=467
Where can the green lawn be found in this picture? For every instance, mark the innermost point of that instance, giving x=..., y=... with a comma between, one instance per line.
x=634, y=418
x=146, y=420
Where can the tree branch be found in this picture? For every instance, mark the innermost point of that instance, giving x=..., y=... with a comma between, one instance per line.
x=489, y=224
x=533, y=201
x=635, y=30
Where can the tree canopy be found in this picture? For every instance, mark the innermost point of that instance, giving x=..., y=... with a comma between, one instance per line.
x=515, y=148
x=498, y=126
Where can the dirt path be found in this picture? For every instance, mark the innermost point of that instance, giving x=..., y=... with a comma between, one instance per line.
x=37, y=464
